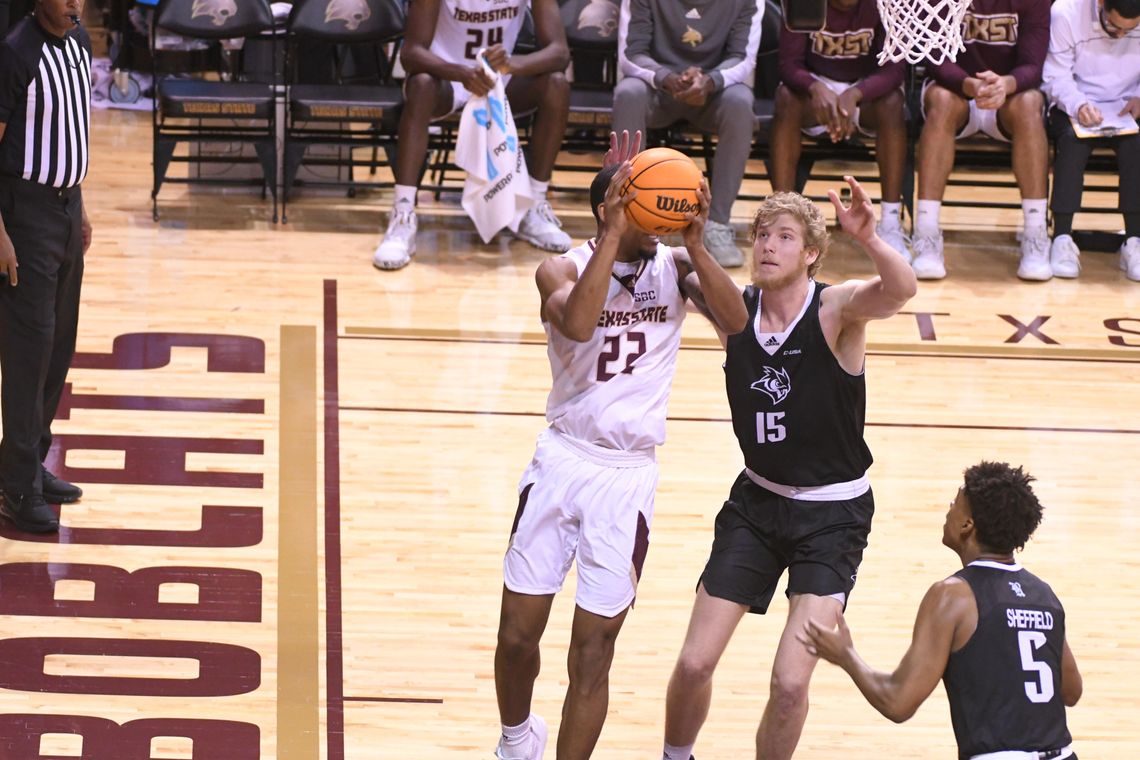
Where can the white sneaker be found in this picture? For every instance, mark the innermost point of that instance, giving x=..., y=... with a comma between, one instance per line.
x=1035, y=258
x=895, y=238
x=399, y=243
x=1130, y=258
x=928, y=263
x=536, y=743
x=1065, y=257
x=541, y=228
x=720, y=239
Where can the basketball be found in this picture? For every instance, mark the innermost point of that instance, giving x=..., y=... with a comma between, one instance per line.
x=666, y=181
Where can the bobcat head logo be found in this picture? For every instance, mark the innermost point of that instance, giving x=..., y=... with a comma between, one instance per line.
x=775, y=383
x=691, y=37
x=218, y=10
x=601, y=15
x=351, y=12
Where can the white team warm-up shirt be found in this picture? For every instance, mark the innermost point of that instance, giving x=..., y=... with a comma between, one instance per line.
x=465, y=27
x=613, y=389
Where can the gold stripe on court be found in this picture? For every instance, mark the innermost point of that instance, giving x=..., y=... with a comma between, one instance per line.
x=298, y=637
x=1126, y=355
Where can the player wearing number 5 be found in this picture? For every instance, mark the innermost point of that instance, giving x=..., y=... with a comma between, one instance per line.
x=612, y=310
x=803, y=502
x=993, y=632
x=441, y=41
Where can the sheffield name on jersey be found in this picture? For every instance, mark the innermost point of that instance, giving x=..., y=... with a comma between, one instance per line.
x=613, y=389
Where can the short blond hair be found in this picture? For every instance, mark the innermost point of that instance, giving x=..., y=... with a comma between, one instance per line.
x=803, y=211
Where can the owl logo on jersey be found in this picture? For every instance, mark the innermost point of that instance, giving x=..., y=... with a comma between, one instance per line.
x=218, y=10
x=351, y=12
x=601, y=15
x=775, y=383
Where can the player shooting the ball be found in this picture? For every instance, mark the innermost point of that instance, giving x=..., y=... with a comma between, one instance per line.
x=803, y=503
x=612, y=310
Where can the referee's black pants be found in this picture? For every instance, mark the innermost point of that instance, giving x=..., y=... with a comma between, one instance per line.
x=38, y=322
x=1073, y=156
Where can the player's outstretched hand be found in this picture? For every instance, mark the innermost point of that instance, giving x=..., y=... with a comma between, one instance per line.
x=830, y=644
x=616, y=221
x=622, y=150
x=694, y=236
x=858, y=219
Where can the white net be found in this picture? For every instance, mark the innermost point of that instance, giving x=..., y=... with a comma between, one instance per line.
x=922, y=30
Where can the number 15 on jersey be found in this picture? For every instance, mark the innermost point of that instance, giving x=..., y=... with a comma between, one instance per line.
x=769, y=429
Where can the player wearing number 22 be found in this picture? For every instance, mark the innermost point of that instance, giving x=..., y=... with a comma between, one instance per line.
x=993, y=632
x=612, y=309
x=803, y=503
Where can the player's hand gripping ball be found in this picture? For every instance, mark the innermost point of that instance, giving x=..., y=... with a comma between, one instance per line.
x=666, y=181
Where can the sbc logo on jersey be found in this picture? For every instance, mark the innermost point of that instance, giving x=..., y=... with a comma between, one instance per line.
x=775, y=383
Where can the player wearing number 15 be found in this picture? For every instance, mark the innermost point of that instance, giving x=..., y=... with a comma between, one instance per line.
x=993, y=632
x=612, y=309
x=795, y=384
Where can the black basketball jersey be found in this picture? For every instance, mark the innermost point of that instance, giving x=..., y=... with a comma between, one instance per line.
x=797, y=414
x=1004, y=685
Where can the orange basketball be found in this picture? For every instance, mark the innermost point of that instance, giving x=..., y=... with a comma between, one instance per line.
x=666, y=181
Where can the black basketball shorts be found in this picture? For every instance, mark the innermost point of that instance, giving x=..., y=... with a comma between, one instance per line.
x=759, y=534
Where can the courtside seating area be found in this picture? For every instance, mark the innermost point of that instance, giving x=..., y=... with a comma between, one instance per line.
x=363, y=112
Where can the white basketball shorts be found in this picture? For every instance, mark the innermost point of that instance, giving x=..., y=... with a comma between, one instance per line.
x=982, y=120
x=581, y=500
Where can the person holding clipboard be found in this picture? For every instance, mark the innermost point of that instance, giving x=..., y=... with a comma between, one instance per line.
x=1092, y=80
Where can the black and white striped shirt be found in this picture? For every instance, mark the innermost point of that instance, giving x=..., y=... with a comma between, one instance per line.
x=45, y=101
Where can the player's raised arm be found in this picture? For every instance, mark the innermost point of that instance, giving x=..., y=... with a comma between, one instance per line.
x=573, y=304
x=883, y=295
x=898, y=695
x=704, y=281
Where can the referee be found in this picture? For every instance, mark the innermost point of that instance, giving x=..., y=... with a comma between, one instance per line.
x=45, y=103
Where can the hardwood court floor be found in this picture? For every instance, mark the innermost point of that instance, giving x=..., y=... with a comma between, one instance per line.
x=325, y=465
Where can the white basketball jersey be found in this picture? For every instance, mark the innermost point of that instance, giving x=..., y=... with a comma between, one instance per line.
x=465, y=27
x=613, y=389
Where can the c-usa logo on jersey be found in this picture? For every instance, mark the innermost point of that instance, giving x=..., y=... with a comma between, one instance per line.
x=775, y=383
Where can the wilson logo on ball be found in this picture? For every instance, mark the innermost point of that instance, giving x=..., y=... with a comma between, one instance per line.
x=677, y=205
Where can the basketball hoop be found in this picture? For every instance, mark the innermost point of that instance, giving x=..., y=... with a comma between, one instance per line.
x=920, y=30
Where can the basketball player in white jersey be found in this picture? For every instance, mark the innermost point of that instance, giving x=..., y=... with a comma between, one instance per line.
x=612, y=310
x=802, y=503
x=441, y=41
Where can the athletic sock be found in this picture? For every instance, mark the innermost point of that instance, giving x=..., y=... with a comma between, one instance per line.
x=538, y=189
x=516, y=740
x=891, y=219
x=1063, y=224
x=926, y=218
x=1034, y=212
x=406, y=193
x=677, y=753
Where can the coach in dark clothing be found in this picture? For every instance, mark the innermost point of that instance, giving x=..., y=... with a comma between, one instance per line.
x=45, y=97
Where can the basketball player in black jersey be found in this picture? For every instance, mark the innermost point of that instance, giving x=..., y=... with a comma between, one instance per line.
x=794, y=377
x=993, y=632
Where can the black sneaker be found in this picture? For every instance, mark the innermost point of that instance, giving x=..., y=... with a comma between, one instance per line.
x=29, y=513
x=58, y=491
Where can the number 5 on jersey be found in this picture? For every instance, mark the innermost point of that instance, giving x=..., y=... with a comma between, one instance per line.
x=768, y=427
